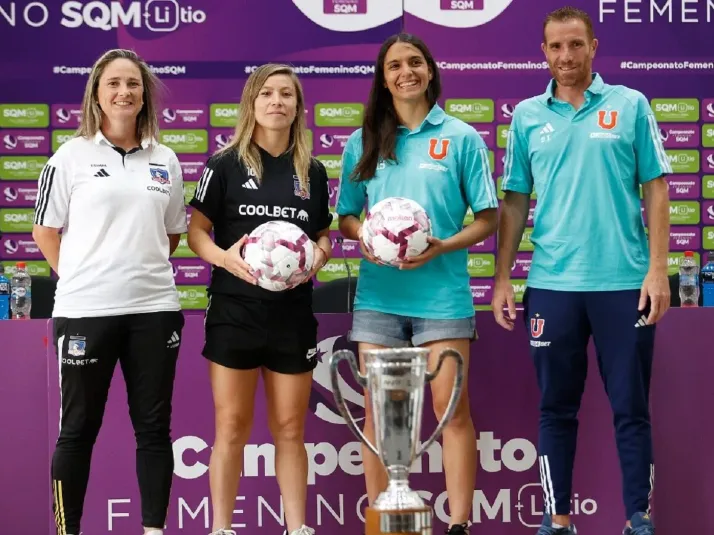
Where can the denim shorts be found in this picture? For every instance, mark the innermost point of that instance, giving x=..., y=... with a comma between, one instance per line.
x=393, y=330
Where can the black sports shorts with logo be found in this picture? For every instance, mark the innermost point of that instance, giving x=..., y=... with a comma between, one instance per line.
x=246, y=333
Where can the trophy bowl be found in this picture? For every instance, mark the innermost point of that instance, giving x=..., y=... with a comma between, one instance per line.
x=395, y=380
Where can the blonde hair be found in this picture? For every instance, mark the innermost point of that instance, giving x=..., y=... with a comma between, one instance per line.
x=242, y=142
x=147, y=123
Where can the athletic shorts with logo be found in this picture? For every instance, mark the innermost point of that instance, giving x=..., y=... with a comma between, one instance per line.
x=246, y=333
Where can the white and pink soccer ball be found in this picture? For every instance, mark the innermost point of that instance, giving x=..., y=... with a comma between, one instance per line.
x=280, y=255
x=396, y=229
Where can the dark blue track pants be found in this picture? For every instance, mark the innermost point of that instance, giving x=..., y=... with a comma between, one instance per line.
x=559, y=326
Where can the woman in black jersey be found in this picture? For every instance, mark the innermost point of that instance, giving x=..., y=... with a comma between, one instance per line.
x=266, y=173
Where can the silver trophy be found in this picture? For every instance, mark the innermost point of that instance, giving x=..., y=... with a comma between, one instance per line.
x=395, y=380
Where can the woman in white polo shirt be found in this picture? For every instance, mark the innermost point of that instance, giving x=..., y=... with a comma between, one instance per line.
x=116, y=195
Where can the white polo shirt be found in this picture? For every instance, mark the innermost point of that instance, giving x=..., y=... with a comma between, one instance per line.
x=116, y=212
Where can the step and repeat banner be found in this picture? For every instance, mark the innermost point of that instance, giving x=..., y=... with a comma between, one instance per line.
x=489, y=55
x=488, y=52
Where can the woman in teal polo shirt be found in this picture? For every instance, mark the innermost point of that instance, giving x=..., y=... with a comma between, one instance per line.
x=408, y=147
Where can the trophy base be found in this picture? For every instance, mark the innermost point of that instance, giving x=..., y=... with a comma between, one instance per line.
x=412, y=521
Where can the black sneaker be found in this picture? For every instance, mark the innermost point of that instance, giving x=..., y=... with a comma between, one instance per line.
x=458, y=529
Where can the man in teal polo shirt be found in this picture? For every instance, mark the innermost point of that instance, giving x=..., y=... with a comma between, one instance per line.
x=586, y=147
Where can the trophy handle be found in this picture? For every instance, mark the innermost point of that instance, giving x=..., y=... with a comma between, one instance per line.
x=335, y=358
x=455, y=393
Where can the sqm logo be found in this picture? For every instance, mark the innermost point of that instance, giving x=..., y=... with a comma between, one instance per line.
x=345, y=7
x=350, y=15
x=323, y=401
x=457, y=13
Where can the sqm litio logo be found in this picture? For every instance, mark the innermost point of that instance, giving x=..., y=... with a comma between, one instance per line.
x=154, y=15
x=457, y=13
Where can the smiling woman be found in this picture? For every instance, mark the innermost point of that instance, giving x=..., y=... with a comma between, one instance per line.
x=265, y=174
x=409, y=147
x=116, y=194
x=120, y=100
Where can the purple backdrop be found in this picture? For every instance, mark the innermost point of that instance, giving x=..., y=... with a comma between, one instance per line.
x=24, y=401
x=488, y=52
x=504, y=402
x=489, y=56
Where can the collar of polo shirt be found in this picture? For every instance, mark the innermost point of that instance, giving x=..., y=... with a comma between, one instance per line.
x=596, y=87
x=435, y=117
x=100, y=138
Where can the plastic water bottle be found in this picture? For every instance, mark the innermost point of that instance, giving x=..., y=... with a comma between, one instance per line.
x=4, y=296
x=688, y=281
x=707, y=275
x=21, y=291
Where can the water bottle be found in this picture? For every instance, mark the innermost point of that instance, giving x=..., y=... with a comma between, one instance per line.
x=707, y=276
x=688, y=281
x=20, y=288
x=4, y=296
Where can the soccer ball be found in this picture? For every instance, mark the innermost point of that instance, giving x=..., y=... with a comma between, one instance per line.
x=395, y=229
x=279, y=254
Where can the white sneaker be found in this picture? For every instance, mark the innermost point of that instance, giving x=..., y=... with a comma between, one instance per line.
x=223, y=532
x=304, y=530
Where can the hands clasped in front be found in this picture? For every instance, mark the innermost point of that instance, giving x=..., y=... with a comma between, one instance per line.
x=435, y=248
x=234, y=263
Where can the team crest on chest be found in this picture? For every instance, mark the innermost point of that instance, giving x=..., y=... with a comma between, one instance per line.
x=607, y=119
x=439, y=148
x=298, y=191
x=159, y=175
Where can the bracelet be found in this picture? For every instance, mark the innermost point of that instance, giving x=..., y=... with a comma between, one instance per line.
x=327, y=256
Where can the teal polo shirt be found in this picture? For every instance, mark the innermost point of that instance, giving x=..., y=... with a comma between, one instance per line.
x=586, y=167
x=443, y=165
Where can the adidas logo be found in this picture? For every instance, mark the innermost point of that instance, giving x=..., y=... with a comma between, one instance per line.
x=250, y=184
x=545, y=132
x=101, y=173
x=173, y=342
x=642, y=322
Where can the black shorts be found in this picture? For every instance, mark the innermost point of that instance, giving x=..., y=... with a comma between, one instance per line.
x=245, y=333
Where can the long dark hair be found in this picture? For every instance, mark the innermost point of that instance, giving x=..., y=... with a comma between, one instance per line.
x=379, y=129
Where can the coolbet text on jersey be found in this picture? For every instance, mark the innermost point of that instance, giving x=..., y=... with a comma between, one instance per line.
x=586, y=168
x=236, y=202
x=442, y=165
